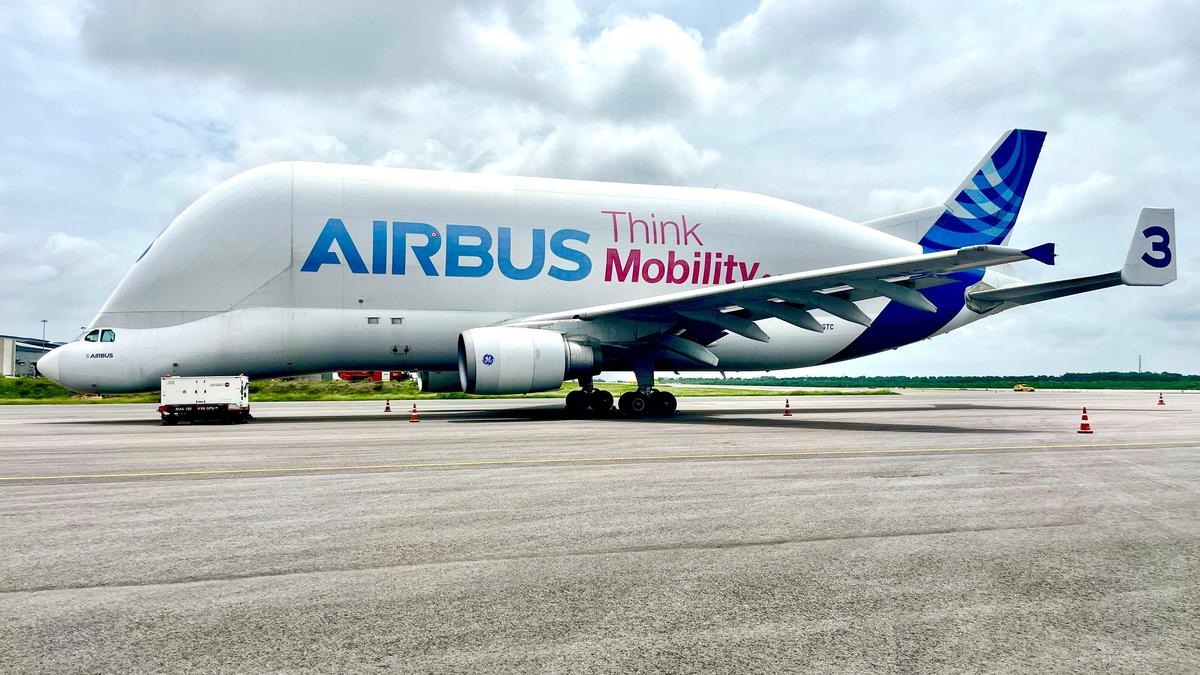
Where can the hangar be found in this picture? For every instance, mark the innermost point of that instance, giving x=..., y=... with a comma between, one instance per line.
x=19, y=355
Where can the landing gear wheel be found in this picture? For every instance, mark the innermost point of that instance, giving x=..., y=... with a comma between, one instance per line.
x=663, y=403
x=169, y=420
x=577, y=401
x=634, y=403
x=600, y=400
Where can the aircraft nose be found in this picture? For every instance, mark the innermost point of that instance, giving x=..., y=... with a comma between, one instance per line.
x=49, y=366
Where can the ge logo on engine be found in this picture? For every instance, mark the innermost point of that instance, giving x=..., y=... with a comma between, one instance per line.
x=488, y=359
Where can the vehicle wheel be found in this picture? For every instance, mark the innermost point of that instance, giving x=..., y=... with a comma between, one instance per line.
x=663, y=403
x=577, y=402
x=169, y=420
x=600, y=400
x=634, y=403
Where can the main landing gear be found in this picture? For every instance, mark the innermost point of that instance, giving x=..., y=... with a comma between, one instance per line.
x=640, y=403
x=581, y=401
x=646, y=400
x=631, y=404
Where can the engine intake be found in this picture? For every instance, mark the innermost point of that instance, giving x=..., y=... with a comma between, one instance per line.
x=510, y=360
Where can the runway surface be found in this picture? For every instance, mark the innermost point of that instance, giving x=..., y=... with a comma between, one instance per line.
x=969, y=531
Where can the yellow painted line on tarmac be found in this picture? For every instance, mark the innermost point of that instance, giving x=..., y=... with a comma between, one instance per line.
x=783, y=454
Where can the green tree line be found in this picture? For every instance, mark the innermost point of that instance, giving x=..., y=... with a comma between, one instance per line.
x=1100, y=380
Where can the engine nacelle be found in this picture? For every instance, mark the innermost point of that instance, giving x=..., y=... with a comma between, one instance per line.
x=439, y=382
x=510, y=360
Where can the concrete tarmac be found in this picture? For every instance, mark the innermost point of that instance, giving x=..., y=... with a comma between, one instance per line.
x=969, y=531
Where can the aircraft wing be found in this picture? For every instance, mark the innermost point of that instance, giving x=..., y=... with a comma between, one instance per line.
x=707, y=313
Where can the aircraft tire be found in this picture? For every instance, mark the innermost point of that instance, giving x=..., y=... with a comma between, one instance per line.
x=634, y=404
x=663, y=403
x=577, y=402
x=600, y=400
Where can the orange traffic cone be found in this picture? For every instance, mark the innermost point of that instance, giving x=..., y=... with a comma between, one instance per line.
x=787, y=407
x=414, y=417
x=1160, y=399
x=1085, y=427
x=387, y=407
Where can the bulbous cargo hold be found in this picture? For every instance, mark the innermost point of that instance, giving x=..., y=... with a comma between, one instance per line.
x=513, y=360
x=230, y=248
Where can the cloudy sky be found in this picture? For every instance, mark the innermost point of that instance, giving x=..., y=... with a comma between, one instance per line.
x=119, y=114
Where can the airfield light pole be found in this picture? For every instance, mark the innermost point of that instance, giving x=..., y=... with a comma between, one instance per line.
x=43, y=330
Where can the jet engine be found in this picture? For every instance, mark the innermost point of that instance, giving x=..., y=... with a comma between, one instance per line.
x=511, y=360
x=438, y=382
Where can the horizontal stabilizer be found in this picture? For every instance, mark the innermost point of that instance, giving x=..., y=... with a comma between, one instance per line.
x=1150, y=262
x=1024, y=294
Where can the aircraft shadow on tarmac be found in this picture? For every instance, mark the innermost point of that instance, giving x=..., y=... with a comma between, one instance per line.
x=766, y=417
x=743, y=417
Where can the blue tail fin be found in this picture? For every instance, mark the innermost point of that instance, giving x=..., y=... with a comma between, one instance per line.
x=984, y=208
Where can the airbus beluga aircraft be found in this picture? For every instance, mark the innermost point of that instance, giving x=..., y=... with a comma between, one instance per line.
x=502, y=285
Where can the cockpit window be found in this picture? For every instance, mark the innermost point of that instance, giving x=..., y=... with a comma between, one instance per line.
x=107, y=335
x=93, y=336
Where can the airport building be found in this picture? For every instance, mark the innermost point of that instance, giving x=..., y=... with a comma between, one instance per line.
x=19, y=355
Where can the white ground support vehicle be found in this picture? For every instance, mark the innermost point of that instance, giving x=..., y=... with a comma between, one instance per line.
x=223, y=399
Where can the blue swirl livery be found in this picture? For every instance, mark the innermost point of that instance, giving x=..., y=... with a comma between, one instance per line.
x=984, y=208
x=982, y=211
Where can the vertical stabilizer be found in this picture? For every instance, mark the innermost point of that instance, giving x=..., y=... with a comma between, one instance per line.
x=984, y=208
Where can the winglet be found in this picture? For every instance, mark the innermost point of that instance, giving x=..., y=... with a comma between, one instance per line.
x=1043, y=254
x=1151, y=258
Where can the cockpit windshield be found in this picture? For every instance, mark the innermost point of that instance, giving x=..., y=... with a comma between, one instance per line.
x=93, y=336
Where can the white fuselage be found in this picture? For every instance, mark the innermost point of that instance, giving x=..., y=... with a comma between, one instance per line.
x=303, y=267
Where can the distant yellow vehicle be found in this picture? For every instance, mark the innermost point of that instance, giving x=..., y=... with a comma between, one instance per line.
x=1023, y=387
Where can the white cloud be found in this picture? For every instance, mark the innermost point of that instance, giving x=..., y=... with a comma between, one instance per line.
x=121, y=112
x=1098, y=192
x=888, y=201
x=607, y=152
x=60, y=244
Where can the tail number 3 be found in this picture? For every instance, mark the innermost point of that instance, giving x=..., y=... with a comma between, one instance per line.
x=1162, y=245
